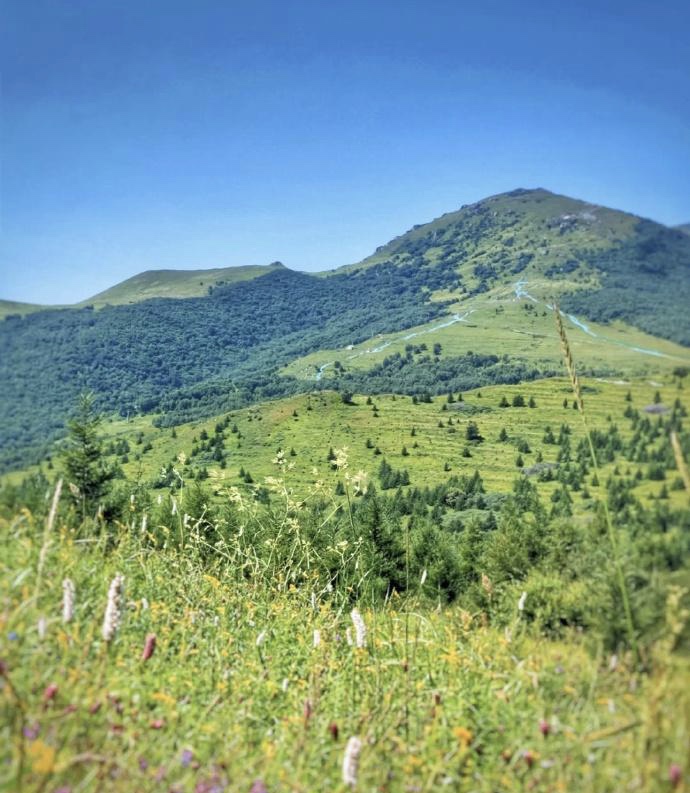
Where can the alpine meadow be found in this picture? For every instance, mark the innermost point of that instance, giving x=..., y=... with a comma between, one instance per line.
x=418, y=523
x=344, y=397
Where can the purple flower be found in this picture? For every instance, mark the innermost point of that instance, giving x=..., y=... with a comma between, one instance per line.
x=259, y=786
x=13, y=636
x=31, y=731
x=143, y=763
x=187, y=757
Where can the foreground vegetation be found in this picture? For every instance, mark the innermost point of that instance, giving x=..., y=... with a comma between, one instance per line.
x=253, y=685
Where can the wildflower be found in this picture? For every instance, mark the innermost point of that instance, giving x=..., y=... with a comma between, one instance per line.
x=50, y=692
x=340, y=461
x=31, y=732
x=41, y=627
x=285, y=684
x=423, y=579
x=258, y=786
x=348, y=637
x=279, y=459
x=360, y=629
x=529, y=757
x=113, y=609
x=675, y=775
x=261, y=638
x=487, y=586
x=149, y=646
x=360, y=483
x=186, y=758
x=351, y=761
x=334, y=731
x=317, y=637
x=67, y=600
x=544, y=727
x=463, y=735
x=521, y=602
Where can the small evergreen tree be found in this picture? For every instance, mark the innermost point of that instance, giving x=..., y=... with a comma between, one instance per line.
x=83, y=459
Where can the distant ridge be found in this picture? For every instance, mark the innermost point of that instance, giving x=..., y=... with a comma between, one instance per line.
x=10, y=307
x=684, y=227
x=176, y=283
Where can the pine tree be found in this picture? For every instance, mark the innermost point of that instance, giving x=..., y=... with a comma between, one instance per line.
x=83, y=459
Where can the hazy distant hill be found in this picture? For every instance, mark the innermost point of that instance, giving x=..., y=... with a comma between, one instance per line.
x=9, y=307
x=684, y=227
x=176, y=284
x=221, y=337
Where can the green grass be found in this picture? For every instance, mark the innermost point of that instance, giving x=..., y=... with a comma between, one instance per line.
x=9, y=307
x=329, y=424
x=498, y=324
x=437, y=699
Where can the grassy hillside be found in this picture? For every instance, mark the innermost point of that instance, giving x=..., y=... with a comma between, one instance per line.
x=428, y=440
x=176, y=284
x=500, y=322
x=12, y=307
x=608, y=264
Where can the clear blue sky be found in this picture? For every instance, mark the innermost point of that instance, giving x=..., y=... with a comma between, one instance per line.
x=147, y=134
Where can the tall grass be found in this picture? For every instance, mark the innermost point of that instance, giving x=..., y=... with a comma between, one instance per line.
x=613, y=540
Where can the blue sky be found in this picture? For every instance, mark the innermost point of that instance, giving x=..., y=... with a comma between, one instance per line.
x=146, y=135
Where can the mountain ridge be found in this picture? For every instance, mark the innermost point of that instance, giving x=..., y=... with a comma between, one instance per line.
x=183, y=283
x=504, y=260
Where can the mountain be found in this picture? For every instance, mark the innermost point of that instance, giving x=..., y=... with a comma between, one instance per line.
x=478, y=283
x=684, y=227
x=176, y=284
x=10, y=307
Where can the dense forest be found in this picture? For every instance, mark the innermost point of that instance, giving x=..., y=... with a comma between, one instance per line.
x=135, y=357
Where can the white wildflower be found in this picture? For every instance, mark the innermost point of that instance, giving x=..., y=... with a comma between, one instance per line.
x=261, y=638
x=340, y=461
x=67, y=600
x=351, y=761
x=521, y=602
x=360, y=629
x=317, y=637
x=42, y=627
x=423, y=580
x=113, y=609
